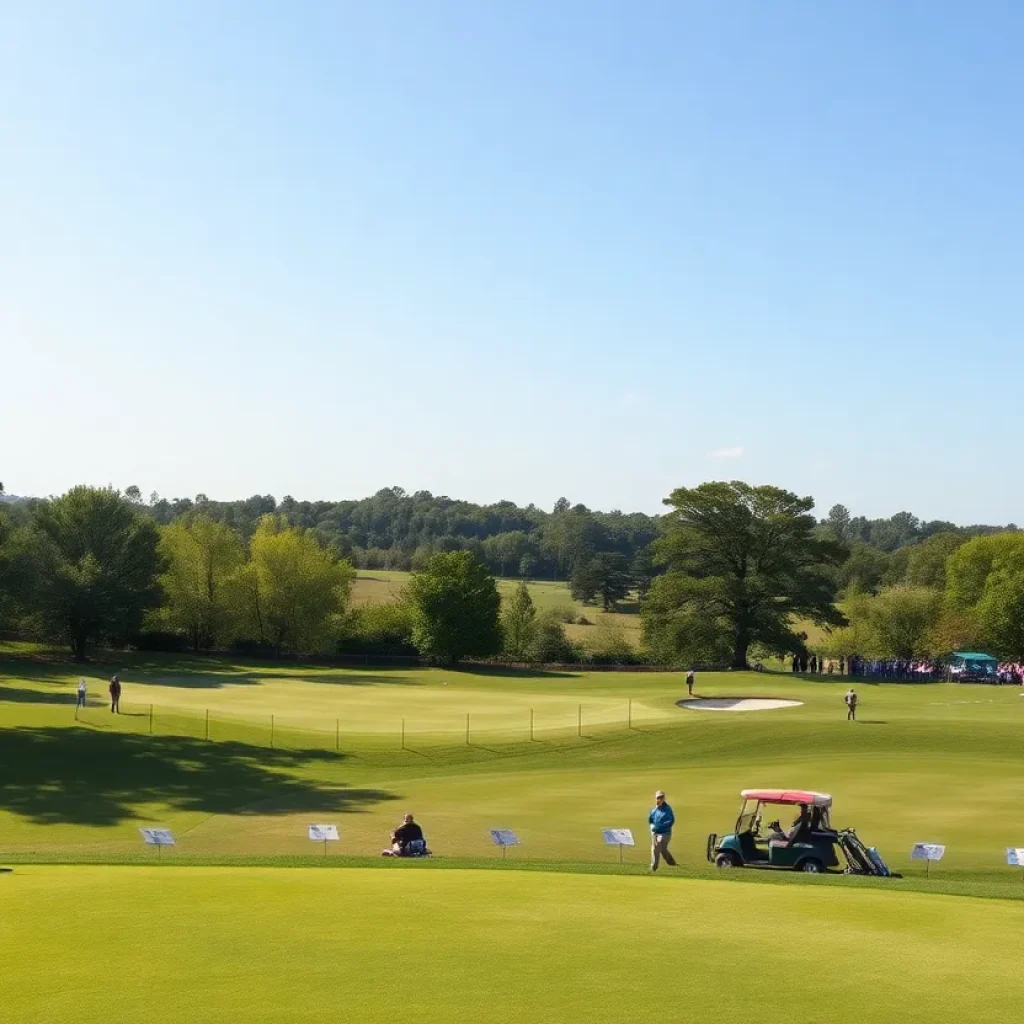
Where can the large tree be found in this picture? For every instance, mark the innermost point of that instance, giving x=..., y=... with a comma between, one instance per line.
x=202, y=557
x=743, y=563
x=96, y=567
x=455, y=607
x=293, y=592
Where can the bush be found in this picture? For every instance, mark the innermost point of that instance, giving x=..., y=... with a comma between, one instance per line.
x=550, y=644
x=252, y=648
x=562, y=613
x=158, y=640
x=378, y=629
x=611, y=647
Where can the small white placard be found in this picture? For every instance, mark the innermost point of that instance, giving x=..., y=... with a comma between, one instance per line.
x=323, y=833
x=157, y=836
x=1015, y=856
x=504, y=837
x=927, y=851
x=618, y=837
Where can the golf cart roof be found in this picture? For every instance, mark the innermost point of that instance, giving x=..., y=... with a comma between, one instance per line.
x=788, y=796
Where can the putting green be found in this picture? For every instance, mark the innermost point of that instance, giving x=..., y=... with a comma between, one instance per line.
x=111, y=945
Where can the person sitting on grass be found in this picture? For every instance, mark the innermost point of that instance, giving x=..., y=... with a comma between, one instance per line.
x=407, y=841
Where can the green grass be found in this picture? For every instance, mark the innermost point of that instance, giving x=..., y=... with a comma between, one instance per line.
x=112, y=945
x=246, y=920
x=926, y=763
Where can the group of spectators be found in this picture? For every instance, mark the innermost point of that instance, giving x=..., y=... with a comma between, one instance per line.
x=912, y=669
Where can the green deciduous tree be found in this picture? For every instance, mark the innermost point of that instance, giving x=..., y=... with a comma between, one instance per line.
x=292, y=592
x=96, y=566
x=902, y=621
x=518, y=623
x=455, y=606
x=743, y=563
x=926, y=562
x=202, y=557
x=985, y=592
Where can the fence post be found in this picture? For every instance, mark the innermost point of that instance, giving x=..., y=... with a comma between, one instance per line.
x=271, y=732
x=207, y=723
x=337, y=735
x=467, y=728
x=150, y=719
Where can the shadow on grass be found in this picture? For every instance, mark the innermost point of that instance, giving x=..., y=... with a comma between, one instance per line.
x=51, y=776
x=17, y=695
x=505, y=671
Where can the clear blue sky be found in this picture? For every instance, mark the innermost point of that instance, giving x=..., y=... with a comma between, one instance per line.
x=515, y=250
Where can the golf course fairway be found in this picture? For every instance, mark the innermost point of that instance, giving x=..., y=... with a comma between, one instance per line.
x=123, y=944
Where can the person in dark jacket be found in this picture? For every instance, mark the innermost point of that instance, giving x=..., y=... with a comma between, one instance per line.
x=115, y=695
x=407, y=840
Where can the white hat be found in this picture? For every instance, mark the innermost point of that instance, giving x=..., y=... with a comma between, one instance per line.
x=660, y=793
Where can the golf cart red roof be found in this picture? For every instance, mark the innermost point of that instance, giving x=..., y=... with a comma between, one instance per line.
x=788, y=796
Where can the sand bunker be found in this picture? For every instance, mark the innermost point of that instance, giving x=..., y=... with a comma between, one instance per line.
x=737, y=703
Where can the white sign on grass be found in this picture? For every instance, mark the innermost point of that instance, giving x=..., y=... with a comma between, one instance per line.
x=927, y=851
x=618, y=837
x=157, y=836
x=1015, y=856
x=323, y=833
x=504, y=837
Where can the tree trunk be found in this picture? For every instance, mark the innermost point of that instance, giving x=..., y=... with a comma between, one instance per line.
x=78, y=646
x=739, y=650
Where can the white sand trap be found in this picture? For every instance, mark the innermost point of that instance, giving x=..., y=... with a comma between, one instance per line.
x=737, y=704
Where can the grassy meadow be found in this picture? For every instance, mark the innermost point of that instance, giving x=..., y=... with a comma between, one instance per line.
x=244, y=918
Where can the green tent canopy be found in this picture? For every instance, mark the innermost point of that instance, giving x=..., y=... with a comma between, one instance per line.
x=973, y=665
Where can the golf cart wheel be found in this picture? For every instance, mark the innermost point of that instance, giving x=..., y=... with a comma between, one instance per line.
x=812, y=866
x=726, y=860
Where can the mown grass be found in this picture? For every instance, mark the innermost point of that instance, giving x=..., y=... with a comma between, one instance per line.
x=932, y=763
x=262, y=945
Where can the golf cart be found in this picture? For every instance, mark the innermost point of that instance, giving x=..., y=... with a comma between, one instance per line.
x=809, y=844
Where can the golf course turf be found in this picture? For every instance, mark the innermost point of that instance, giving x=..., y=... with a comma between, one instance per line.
x=94, y=944
x=275, y=936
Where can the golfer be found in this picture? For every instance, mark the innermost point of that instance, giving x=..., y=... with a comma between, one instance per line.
x=115, y=695
x=689, y=682
x=81, y=694
x=851, y=705
x=661, y=820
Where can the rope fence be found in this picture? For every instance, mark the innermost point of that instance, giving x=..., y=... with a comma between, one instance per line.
x=544, y=723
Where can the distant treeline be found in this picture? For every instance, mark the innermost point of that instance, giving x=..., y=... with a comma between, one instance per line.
x=394, y=529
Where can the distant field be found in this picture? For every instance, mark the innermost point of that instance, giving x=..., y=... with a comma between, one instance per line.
x=374, y=586
x=288, y=946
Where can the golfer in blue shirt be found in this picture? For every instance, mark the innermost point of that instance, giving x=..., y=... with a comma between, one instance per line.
x=661, y=820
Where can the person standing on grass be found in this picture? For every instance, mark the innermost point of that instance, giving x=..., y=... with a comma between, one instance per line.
x=689, y=682
x=81, y=695
x=115, y=695
x=661, y=820
x=851, y=705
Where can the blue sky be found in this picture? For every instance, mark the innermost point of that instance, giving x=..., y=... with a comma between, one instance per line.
x=515, y=250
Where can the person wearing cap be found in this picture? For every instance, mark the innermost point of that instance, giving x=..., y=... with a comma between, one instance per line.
x=81, y=696
x=661, y=819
